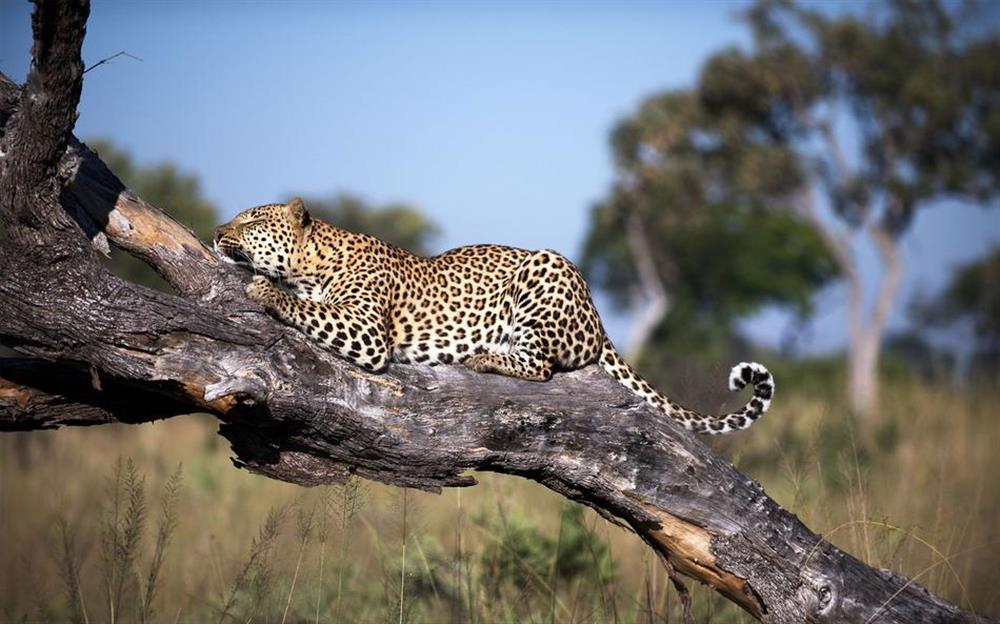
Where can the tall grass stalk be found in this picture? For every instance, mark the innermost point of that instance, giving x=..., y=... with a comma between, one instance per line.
x=530, y=573
x=304, y=528
x=404, y=537
x=322, y=534
x=614, y=566
x=349, y=498
x=591, y=537
x=647, y=585
x=263, y=570
x=458, y=557
x=213, y=549
x=341, y=503
x=427, y=568
x=168, y=522
x=554, y=570
x=353, y=496
x=122, y=532
x=256, y=569
x=862, y=495
x=69, y=568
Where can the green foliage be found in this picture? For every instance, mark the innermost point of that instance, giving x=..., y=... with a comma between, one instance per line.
x=522, y=558
x=973, y=296
x=909, y=355
x=920, y=82
x=722, y=238
x=580, y=553
x=397, y=223
x=973, y=293
x=165, y=186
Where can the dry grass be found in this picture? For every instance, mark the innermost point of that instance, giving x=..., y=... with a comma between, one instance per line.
x=916, y=492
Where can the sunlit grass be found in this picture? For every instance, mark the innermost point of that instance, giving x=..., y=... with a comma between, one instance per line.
x=915, y=492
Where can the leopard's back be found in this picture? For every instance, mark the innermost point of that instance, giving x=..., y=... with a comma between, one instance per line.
x=495, y=309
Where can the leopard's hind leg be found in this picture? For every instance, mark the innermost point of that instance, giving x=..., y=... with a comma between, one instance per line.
x=552, y=322
x=525, y=361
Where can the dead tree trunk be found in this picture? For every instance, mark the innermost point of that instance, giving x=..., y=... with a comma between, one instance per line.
x=102, y=350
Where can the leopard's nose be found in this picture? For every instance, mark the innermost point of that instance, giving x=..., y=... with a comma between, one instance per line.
x=217, y=235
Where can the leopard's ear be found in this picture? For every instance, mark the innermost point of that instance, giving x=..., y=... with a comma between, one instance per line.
x=297, y=210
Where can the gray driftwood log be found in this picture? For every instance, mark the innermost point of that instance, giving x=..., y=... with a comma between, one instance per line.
x=103, y=350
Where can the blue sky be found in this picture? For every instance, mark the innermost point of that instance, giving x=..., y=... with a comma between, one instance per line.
x=490, y=117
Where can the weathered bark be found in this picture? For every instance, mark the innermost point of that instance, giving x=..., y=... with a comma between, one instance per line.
x=36, y=394
x=293, y=412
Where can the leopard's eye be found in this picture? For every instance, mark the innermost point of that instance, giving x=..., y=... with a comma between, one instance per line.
x=254, y=223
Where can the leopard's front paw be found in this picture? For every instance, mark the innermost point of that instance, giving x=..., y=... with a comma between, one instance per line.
x=261, y=290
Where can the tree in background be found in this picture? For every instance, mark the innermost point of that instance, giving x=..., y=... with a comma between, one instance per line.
x=397, y=223
x=167, y=187
x=972, y=296
x=698, y=232
x=913, y=82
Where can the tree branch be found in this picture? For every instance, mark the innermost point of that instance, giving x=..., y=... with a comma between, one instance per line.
x=36, y=131
x=840, y=246
x=888, y=249
x=844, y=173
x=36, y=394
x=292, y=411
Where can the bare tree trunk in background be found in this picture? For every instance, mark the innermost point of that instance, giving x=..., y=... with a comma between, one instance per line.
x=652, y=296
x=104, y=350
x=865, y=331
x=858, y=377
x=866, y=338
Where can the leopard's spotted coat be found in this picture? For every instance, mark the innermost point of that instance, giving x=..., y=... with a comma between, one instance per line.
x=495, y=309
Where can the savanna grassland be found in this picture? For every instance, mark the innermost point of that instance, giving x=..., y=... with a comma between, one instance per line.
x=86, y=514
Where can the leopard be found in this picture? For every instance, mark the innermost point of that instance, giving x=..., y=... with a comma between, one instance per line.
x=492, y=308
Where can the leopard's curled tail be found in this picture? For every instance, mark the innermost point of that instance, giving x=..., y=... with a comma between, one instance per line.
x=743, y=374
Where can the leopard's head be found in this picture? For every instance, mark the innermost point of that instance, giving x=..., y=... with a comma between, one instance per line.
x=265, y=238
